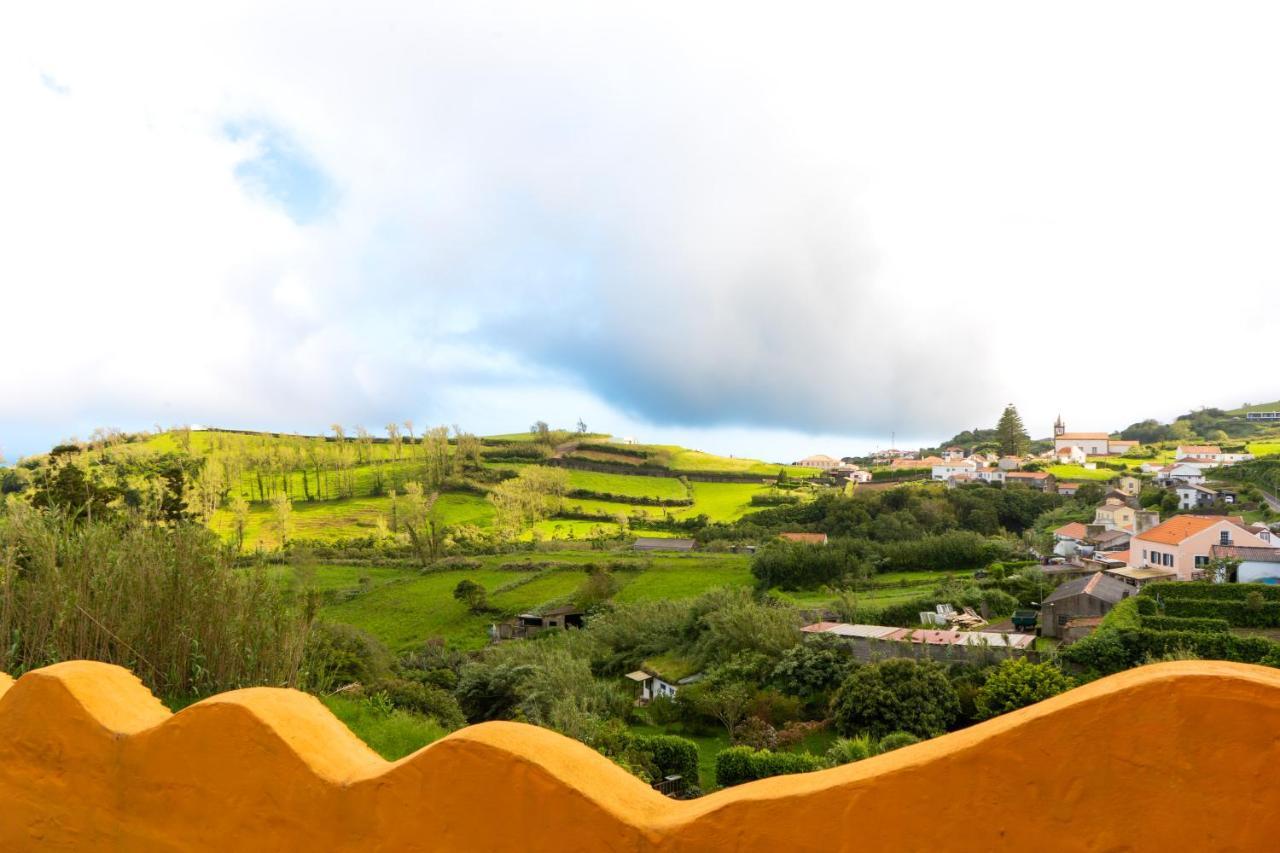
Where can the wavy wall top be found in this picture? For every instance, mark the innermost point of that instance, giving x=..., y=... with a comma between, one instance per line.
x=1176, y=756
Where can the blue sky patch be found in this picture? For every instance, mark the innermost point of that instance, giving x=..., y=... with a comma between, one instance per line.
x=281, y=171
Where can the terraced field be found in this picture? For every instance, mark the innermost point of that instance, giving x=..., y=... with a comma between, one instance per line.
x=403, y=607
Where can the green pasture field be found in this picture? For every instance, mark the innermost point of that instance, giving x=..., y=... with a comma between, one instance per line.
x=629, y=485
x=1079, y=473
x=404, y=607
x=347, y=518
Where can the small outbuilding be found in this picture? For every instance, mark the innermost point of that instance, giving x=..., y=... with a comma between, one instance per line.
x=1093, y=595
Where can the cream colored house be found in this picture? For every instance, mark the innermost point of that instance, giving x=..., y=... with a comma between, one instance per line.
x=1131, y=486
x=1114, y=515
x=818, y=460
x=1185, y=543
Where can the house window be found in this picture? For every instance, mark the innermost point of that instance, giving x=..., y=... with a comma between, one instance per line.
x=1224, y=538
x=1168, y=559
x=1201, y=562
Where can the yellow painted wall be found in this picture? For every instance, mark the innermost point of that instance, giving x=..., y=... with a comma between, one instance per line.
x=1171, y=757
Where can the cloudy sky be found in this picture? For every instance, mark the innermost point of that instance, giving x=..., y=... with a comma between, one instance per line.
x=765, y=230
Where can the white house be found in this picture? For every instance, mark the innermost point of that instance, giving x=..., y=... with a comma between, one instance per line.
x=989, y=474
x=860, y=476
x=1071, y=455
x=947, y=469
x=953, y=454
x=1257, y=565
x=1209, y=454
x=1180, y=472
x=653, y=685
x=1193, y=496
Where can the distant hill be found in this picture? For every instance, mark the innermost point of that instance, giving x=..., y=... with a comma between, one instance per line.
x=353, y=487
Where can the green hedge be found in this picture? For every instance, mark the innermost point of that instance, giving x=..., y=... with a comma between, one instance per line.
x=766, y=499
x=1263, y=614
x=1186, y=623
x=1124, y=615
x=1115, y=650
x=1214, y=591
x=1146, y=606
x=739, y=764
x=674, y=756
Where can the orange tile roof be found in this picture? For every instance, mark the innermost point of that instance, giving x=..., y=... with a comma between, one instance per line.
x=1074, y=530
x=1062, y=486
x=1067, y=436
x=1180, y=527
x=1199, y=449
x=1028, y=475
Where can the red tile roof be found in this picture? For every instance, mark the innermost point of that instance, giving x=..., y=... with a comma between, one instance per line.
x=1074, y=530
x=1181, y=527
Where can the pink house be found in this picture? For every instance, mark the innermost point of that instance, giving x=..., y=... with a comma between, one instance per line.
x=1185, y=543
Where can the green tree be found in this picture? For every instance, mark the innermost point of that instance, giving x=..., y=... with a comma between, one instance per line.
x=895, y=695
x=1012, y=434
x=1016, y=683
x=471, y=594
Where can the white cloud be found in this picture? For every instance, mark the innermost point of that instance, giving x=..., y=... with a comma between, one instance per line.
x=712, y=221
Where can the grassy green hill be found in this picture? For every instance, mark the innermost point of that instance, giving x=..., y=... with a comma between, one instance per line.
x=344, y=487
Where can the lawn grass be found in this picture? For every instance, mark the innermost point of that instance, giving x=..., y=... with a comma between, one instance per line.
x=721, y=501
x=392, y=734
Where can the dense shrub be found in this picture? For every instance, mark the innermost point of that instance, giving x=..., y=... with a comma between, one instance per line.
x=739, y=764
x=672, y=755
x=895, y=695
x=337, y=655
x=896, y=740
x=813, y=667
x=849, y=750
x=1016, y=683
x=957, y=549
x=424, y=699
x=774, y=499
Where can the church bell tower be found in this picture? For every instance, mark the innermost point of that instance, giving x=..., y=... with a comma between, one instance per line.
x=1058, y=426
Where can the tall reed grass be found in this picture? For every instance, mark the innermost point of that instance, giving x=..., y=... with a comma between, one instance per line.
x=166, y=602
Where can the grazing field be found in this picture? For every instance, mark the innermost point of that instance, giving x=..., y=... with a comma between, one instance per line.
x=329, y=521
x=1076, y=473
x=404, y=607
x=1264, y=448
x=629, y=485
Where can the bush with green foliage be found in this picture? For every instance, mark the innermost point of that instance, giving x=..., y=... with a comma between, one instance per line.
x=813, y=667
x=1016, y=683
x=896, y=740
x=336, y=655
x=739, y=764
x=849, y=750
x=895, y=695
x=424, y=699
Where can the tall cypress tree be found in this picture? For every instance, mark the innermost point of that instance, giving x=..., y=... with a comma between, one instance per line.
x=1012, y=435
